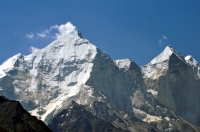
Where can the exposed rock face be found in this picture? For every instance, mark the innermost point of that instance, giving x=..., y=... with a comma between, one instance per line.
x=13, y=118
x=121, y=119
x=76, y=119
x=174, y=84
x=131, y=69
x=116, y=86
x=146, y=106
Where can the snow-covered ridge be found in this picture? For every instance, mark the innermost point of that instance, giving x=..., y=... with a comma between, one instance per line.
x=8, y=65
x=123, y=64
x=189, y=59
x=162, y=56
x=193, y=63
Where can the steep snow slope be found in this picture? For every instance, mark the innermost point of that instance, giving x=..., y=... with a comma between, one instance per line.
x=64, y=66
x=163, y=56
x=50, y=75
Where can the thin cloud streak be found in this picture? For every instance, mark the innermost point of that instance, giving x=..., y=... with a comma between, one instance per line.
x=30, y=36
x=62, y=30
x=163, y=40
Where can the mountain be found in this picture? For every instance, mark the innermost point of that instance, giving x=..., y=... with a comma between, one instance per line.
x=43, y=80
x=174, y=81
x=147, y=107
x=14, y=118
x=160, y=96
x=70, y=68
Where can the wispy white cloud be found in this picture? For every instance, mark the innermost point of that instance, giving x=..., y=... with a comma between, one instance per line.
x=61, y=30
x=64, y=29
x=42, y=35
x=34, y=49
x=163, y=40
x=30, y=36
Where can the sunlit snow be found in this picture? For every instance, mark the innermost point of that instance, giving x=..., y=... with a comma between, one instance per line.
x=162, y=56
x=123, y=64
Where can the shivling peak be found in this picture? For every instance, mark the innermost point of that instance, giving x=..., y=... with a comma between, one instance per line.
x=163, y=56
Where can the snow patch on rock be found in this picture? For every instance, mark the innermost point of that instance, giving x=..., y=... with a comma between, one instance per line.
x=193, y=63
x=147, y=117
x=153, y=92
x=123, y=64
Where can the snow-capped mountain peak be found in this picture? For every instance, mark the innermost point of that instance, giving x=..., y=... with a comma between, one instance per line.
x=57, y=72
x=165, y=55
x=65, y=65
x=161, y=62
x=162, y=56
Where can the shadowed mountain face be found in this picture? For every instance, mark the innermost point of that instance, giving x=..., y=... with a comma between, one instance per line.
x=13, y=118
x=77, y=119
x=2, y=129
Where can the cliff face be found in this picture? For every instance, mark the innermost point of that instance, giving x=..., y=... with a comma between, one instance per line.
x=76, y=119
x=176, y=85
x=108, y=80
x=98, y=118
x=145, y=102
x=14, y=118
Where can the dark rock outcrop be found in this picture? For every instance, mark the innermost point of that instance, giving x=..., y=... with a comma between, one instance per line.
x=14, y=118
x=77, y=119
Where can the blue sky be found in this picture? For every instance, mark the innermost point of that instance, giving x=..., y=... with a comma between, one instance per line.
x=136, y=29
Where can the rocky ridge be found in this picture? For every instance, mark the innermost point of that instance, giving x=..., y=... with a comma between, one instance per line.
x=14, y=118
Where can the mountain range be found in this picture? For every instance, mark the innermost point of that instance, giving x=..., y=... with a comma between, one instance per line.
x=72, y=85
